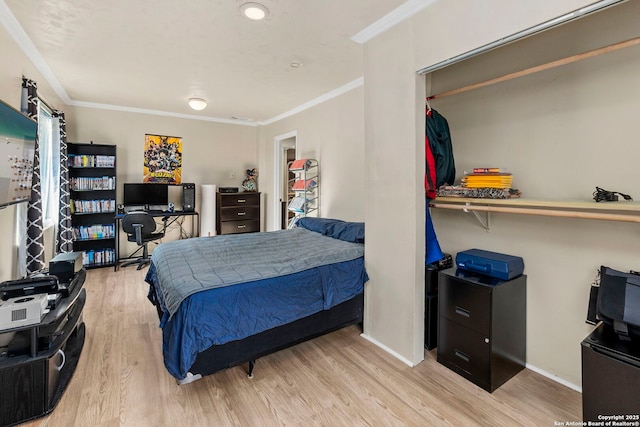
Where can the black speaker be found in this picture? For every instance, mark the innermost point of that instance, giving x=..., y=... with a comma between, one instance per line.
x=188, y=197
x=120, y=209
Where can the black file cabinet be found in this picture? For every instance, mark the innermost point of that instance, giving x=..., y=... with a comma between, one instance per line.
x=610, y=377
x=482, y=329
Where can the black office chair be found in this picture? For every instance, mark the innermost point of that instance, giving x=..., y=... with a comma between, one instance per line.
x=140, y=228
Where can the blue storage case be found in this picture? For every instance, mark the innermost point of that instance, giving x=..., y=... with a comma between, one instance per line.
x=493, y=264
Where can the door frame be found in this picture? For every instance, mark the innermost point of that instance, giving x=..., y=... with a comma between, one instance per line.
x=281, y=144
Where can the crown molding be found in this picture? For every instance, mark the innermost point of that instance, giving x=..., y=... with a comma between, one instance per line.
x=319, y=100
x=159, y=113
x=391, y=19
x=15, y=30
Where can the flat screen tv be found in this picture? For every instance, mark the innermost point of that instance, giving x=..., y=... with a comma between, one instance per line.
x=146, y=194
x=17, y=149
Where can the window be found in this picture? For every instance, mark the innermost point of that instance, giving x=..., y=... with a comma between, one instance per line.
x=48, y=140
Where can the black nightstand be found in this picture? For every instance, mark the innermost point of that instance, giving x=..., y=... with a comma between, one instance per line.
x=238, y=213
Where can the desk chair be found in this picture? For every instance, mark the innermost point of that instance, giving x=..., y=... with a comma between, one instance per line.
x=140, y=228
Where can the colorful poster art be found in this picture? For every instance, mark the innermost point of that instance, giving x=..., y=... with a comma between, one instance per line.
x=162, y=159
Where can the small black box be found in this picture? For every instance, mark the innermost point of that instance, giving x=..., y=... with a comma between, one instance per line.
x=65, y=266
x=228, y=189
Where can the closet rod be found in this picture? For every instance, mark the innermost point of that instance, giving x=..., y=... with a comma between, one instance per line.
x=541, y=212
x=543, y=67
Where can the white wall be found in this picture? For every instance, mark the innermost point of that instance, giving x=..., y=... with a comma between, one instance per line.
x=332, y=133
x=210, y=151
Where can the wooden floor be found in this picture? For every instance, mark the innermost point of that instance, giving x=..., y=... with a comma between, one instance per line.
x=339, y=379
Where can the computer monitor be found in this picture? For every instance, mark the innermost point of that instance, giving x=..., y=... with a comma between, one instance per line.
x=150, y=194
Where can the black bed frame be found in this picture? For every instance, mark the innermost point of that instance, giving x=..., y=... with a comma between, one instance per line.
x=247, y=350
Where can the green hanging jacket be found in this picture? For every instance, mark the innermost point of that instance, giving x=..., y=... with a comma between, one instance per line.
x=437, y=130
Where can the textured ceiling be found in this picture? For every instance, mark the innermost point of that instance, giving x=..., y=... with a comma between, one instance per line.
x=155, y=54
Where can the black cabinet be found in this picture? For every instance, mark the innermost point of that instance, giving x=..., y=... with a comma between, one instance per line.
x=431, y=300
x=610, y=377
x=41, y=359
x=482, y=326
x=92, y=193
x=237, y=212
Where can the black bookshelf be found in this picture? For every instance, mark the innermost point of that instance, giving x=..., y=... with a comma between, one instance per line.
x=92, y=193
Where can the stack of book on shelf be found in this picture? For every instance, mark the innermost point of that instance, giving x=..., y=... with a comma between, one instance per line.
x=308, y=184
x=298, y=204
x=488, y=178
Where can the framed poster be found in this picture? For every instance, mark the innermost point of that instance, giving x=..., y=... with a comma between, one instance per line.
x=162, y=159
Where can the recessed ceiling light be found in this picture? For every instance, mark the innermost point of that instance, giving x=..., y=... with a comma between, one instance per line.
x=295, y=63
x=197, y=103
x=255, y=11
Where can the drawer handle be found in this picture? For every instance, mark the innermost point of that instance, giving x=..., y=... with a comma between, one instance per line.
x=63, y=359
x=241, y=213
x=462, y=355
x=240, y=227
x=242, y=200
x=463, y=312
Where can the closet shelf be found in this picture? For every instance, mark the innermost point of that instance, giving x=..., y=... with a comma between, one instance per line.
x=608, y=211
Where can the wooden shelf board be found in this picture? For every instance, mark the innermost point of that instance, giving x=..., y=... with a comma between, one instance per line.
x=579, y=205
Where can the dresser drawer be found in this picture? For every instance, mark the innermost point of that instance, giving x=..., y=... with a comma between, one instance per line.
x=466, y=351
x=234, y=227
x=239, y=199
x=466, y=303
x=240, y=213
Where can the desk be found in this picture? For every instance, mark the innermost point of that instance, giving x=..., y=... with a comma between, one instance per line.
x=172, y=217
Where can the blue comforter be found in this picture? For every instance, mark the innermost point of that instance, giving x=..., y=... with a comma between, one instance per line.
x=231, y=312
x=192, y=265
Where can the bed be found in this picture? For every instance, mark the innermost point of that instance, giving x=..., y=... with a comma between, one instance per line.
x=229, y=300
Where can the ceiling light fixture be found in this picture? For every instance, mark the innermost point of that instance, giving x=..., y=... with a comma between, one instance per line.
x=255, y=11
x=295, y=63
x=197, y=103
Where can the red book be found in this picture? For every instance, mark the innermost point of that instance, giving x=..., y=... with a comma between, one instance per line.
x=304, y=185
x=299, y=164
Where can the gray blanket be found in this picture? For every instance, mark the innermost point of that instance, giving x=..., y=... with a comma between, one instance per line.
x=185, y=267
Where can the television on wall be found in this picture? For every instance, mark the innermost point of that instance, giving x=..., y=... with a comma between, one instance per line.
x=17, y=150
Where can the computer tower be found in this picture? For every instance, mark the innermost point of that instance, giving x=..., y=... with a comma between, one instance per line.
x=188, y=197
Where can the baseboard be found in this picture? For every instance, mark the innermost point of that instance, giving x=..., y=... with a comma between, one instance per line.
x=528, y=366
x=388, y=350
x=554, y=378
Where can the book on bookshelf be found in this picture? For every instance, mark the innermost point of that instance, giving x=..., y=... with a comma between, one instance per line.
x=300, y=164
x=308, y=184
